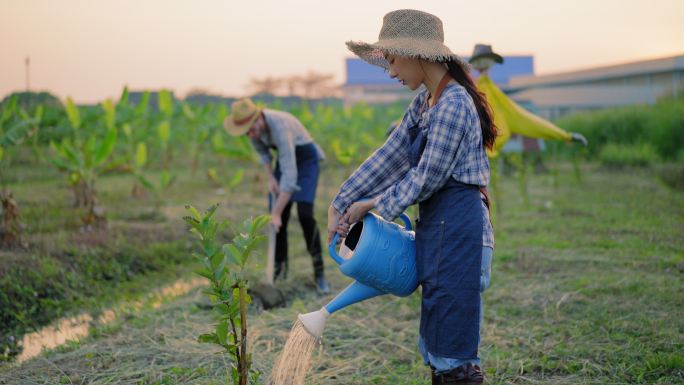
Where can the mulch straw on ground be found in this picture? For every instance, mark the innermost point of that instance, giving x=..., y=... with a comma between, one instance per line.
x=159, y=345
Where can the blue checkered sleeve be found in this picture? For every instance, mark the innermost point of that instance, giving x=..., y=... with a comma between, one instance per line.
x=384, y=167
x=449, y=121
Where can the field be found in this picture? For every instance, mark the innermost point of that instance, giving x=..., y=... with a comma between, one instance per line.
x=586, y=288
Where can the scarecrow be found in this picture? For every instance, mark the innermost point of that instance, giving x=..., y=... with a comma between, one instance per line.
x=509, y=117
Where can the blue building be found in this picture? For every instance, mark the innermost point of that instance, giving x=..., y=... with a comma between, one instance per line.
x=550, y=96
x=367, y=83
x=501, y=74
x=370, y=84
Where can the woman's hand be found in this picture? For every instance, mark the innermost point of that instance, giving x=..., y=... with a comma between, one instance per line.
x=334, y=217
x=357, y=211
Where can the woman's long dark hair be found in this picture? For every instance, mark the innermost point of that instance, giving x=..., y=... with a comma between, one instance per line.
x=460, y=73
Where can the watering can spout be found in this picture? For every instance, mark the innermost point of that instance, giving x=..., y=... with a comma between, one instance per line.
x=356, y=292
x=314, y=322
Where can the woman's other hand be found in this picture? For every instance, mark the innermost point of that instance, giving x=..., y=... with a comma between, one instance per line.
x=343, y=228
x=357, y=211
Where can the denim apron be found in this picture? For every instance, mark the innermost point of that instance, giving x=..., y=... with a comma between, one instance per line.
x=448, y=263
x=307, y=173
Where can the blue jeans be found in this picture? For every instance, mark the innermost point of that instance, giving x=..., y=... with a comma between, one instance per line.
x=444, y=364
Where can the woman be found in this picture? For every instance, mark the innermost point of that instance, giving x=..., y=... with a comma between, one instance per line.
x=294, y=180
x=435, y=157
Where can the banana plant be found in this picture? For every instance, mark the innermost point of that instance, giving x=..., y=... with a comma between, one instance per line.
x=142, y=109
x=137, y=160
x=164, y=134
x=85, y=160
x=124, y=111
x=134, y=122
x=164, y=181
x=136, y=157
x=34, y=121
x=197, y=133
x=231, y=183
x=238, y=148
x=237, y=151
x=165, y=105
x=13, y=131
x=345, y=154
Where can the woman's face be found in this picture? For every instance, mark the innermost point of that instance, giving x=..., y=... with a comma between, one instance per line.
x=406, y=70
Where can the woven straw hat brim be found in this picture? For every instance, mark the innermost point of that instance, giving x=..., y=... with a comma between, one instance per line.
x=414, y=48
x=237, y=130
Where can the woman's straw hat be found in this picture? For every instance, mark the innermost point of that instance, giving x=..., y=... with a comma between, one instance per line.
x=243, y=114
x=409, y=33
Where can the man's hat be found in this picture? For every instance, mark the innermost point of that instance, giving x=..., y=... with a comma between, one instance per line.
x=243, y=114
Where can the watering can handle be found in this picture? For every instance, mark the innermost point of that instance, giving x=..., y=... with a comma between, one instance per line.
x=407, y=221
x=332, y=250
x=332, y=247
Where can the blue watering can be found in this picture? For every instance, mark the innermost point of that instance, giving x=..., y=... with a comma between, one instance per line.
x=383, y=261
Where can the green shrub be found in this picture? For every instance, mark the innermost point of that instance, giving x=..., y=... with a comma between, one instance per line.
x=28, y=298
x=672, y=175
x=622, y=155
x=660, y=125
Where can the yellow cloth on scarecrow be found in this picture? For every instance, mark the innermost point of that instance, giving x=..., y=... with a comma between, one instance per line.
x=509, y=117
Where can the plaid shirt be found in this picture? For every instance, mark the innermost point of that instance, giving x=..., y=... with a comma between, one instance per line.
x=285, y=133
x=453, y=150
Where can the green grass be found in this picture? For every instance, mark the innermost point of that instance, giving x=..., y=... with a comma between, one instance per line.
x=65, y=270
x=586, y=289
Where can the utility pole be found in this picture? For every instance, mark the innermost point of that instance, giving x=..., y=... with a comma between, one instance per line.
x=28, y=70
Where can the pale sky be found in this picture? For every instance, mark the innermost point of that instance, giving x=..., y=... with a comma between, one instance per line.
x=90, y=49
